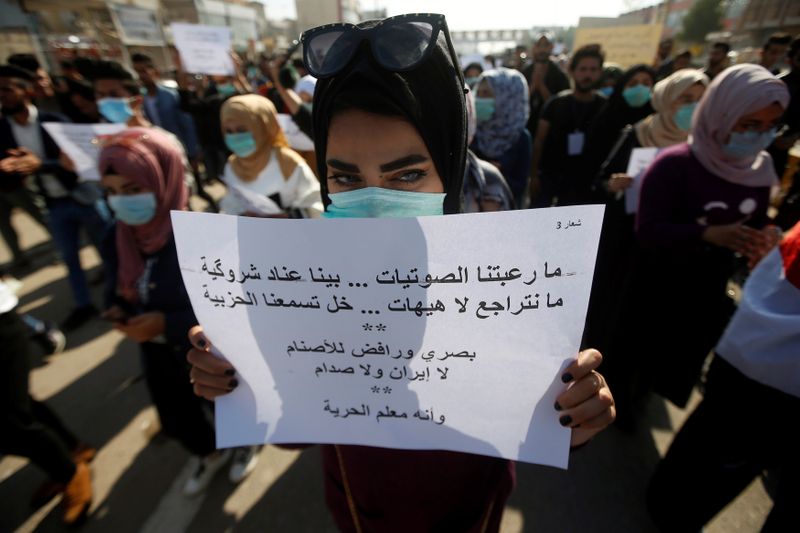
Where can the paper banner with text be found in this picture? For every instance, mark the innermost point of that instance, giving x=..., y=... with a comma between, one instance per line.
x=82, y=143
x=624, y=45
x=640, y=161
x=204, y=49
x=442, y=332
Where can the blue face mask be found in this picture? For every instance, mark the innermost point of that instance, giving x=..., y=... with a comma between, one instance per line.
x=134, y=209
x=484, y=108
x=606, y=91
x=375, y=202
x=226, y=89
x=117, y=110
x=471, y=81
x=636, y=96
x=242, y=144
x=748, y=143
x=683, y=116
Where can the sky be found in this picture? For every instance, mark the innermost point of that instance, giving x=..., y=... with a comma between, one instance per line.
x=489, y=14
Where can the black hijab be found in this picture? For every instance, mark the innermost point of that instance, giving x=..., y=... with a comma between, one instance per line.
x=615, y=115
x=430, y=97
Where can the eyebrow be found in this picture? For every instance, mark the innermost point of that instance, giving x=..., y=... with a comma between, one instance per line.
x=341, y=165
x=403, y=162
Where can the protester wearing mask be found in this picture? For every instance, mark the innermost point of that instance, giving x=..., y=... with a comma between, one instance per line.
x=204, y=106
x=611, y=75
x=472, y=73
x=262, y=162
x=701, y=204
x=628, y=103
x=739, y=430
x=73, y=206
x=485, y=188
x=674, y=100
x=142, y=173
x=367, y=116
x=120, y=100
x=501, y=109
x=560, y=163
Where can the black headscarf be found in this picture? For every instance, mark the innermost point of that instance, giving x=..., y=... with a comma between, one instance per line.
x=614, y=116
x=430, y=97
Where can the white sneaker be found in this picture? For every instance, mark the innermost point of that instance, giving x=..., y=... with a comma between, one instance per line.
x=244, y=462
x=203, y=470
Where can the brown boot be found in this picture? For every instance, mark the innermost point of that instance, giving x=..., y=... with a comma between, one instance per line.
x=77, y=495
x=83, y=453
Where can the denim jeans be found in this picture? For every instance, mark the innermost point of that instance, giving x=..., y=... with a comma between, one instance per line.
x=67, y=217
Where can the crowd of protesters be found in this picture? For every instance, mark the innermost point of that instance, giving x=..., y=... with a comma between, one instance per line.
x=540, y=132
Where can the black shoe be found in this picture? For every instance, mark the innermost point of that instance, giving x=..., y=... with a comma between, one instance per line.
x=78, y=317
x=51, y=339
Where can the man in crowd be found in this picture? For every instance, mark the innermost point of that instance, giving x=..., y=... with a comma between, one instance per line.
x=559, y=162
x=28, y=150
x=44, y=94
x=663, y=62
x=789, y=211
x=717, y=59
x=774, y=51
x=544, y=77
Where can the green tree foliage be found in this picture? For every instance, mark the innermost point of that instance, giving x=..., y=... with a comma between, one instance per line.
x=704, y=17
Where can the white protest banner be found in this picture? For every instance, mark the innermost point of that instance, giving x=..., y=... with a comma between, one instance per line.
x=297, y=139
x=640, y=161
x=624, y=45
x=443, y=332
x=82, y=143
x=204, y=49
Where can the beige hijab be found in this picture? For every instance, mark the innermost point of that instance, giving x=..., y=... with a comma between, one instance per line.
x=659, y=129
x=261, y=118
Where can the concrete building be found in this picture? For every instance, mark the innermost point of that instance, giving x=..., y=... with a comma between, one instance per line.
x=311, y=13
x=760, y=18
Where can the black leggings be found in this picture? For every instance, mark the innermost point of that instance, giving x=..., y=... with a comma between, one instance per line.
x=184, y=416
x=740, y=429
x=30, y=428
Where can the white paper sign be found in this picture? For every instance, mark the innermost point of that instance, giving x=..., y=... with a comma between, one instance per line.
x=82, y=143
x=204, y=49
x=430, y=333
x=640, y=161
x=297, y=139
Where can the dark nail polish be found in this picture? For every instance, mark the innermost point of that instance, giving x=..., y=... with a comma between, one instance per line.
x=566, y=377
x=201, y=343
x=557, y=406
x=565, y=420
x=230, y=372
x=232, y=384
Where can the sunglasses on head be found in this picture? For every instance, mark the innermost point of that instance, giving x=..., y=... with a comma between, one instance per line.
x=397, y=43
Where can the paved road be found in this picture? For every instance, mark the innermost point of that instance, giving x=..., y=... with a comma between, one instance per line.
x=96, y=386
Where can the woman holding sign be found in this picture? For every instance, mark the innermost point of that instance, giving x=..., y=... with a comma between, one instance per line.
x=390, y=132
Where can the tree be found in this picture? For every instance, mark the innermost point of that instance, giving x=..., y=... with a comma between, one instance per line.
x=703, y=17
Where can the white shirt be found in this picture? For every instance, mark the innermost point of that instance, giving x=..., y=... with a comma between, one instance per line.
x=301, y=190
x=8, y=297
x=29, y=135
x=306, y=84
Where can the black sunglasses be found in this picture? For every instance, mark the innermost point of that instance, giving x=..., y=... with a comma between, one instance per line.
x=397, y=43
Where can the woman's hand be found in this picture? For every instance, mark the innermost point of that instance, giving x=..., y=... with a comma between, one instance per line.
x=736, y=237
x=619, y=182
x=587, y=405
x=144, y=327
x=770, y=237
x=210, y=375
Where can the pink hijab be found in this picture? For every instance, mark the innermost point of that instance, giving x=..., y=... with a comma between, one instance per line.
x=150, y=159
x=735, y=92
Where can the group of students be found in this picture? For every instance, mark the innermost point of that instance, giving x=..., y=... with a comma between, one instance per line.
x=661, y=273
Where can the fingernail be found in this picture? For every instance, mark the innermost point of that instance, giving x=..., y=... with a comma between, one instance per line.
x=557, y=406
x=232, y=384
x=201, y=343
x=565, y=420
x=230, y=372
x=566, y=377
